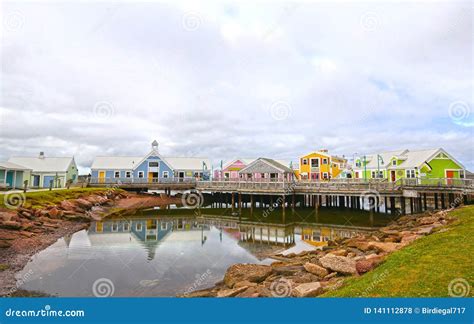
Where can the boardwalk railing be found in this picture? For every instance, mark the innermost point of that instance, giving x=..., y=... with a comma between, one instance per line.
x=141, y=181
x=273, y=185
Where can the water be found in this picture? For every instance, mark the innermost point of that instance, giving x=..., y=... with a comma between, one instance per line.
x=175, y=251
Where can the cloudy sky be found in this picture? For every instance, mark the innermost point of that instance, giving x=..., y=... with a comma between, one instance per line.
x=236, y=79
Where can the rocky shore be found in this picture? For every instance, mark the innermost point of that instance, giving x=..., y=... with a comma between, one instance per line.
x=26, y=230
x=312, y=273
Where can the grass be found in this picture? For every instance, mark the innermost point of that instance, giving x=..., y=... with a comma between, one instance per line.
x=424, y=268
x=40, y=199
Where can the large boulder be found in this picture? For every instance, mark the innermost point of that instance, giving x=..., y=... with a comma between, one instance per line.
x=339, y=264
x=315, y=269
x=287, y=270
x=387, y=247
x=310, y=289
x=250, y=272
x=67, y=205
x=231, y=292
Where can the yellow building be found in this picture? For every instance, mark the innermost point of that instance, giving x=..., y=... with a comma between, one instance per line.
x=320, y=165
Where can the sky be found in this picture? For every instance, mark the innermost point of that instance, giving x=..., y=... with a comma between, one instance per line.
x=235, y=79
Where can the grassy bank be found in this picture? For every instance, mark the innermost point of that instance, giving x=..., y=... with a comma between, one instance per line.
x=423, y=269
x=39, y=199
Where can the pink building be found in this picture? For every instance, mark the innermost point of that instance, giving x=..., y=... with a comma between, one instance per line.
x=264, y=169
x=230, y=170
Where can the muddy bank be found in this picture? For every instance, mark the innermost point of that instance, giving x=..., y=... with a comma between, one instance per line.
x=312, y=273
x=26, y=230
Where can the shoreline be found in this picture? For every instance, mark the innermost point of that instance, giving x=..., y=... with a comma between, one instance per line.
x=25, y=231
x=314, y=273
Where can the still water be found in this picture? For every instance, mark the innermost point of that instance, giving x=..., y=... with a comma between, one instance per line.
x=174, y=251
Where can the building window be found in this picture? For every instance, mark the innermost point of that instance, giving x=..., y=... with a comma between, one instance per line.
x=153, y=164
x=128, y=174
x=394, y=162
x=262, y=175
x=305, y=162
x=358, y=164
x=164, y=226
x=461, y=174
x=373, y=174
x=114, y=227
x=141, y=174
x=138, y=227
x=315, y=163
x=126, y=227
x=325, y=175
x=410, y=173
x=165, y=174
x=117, y=174
x=325, y=161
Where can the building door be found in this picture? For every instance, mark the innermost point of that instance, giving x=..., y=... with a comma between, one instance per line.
x=181, y=175
x=101, y=176
x=36, y=181
x=449, y=176
x=393, y=176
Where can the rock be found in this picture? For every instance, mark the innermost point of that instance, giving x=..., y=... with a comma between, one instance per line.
x=287, y=270
x=424, y=230
x=4, y=244
x=67, y=205
x=250, y=272
x=339, y=264
x=363, y=266
x=55, y=213
x=387, y=247
x=231, y=292
x=315, y=269
x=340, y=252
x=27, y=234
x=251, y=292
x=200, y=293
x=427, y=220
x=331, y=275
x=10, y=225
x=8, y=235
x=406, y=239
x=310, y=289
x=361, y=245
x=83, y=203
x=245, y=283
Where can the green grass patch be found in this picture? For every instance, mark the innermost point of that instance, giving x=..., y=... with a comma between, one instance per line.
x=40, y=199
x=424, y=268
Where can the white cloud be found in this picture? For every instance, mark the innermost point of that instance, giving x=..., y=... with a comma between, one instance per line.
x=356, y=78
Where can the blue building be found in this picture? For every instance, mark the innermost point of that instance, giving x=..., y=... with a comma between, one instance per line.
x=149, y=168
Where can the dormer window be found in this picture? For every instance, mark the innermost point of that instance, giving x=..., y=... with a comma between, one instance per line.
x=394, y=162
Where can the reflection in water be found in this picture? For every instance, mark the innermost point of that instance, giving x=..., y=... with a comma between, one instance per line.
x=165, y=252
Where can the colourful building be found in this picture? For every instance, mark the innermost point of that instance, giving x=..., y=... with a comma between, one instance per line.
x=149, y=168
x=320, y=165
x=421, y=165
x=12, y=175
x=266, y=169
x=230, y=170
x=48, y=171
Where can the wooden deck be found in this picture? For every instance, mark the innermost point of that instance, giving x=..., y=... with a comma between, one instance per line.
x=333, y=187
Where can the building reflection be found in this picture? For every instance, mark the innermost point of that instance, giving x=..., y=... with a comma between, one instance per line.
x=257, y=237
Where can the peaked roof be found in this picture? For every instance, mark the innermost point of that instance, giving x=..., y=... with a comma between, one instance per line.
x=131, y=162
x=45, y=164
x=386, y=157
x=12, y=166
x=415, y=159
x=270, y=162
x=230, y=162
